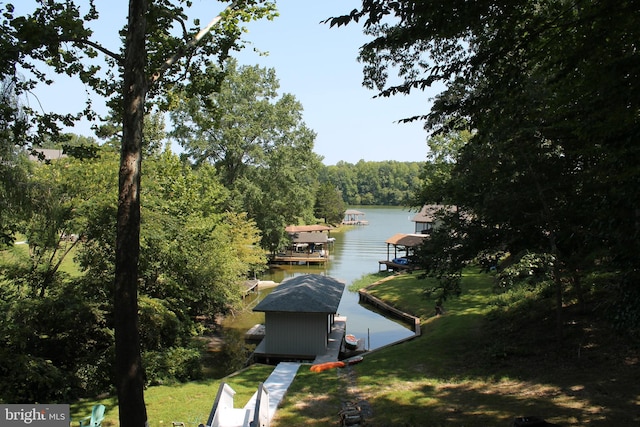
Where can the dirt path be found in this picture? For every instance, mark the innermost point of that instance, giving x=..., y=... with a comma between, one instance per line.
x=355, y=408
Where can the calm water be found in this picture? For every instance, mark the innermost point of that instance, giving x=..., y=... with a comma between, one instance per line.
x=356, y=252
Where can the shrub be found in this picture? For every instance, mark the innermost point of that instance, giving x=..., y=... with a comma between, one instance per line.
x=177, y=364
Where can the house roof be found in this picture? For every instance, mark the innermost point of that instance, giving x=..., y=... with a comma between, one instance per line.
x=409, y=240
x=353, y=212
x=306, y=228
x=307, y=237
x=309, y=293
x=429, y=213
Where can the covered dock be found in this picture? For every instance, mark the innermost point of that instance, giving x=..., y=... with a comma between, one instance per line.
x=354, y=217
x=403, y=243
x=309, y=244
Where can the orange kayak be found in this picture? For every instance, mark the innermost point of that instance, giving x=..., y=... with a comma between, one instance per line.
x=327, y=365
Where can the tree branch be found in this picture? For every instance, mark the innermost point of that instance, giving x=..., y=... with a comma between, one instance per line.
x=94, y=45
x=182, y=50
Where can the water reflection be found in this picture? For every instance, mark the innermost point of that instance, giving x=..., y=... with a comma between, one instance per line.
x=356, y=252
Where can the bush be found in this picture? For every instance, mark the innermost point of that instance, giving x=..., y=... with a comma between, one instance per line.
x=177, y=364
x=28, y=379
x=529, y=269
x=46, y=356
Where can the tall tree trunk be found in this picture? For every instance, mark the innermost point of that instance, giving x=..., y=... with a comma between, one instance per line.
x=129, y=371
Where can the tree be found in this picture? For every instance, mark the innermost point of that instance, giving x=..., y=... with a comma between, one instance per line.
x=259, y=144
x=388, y=183
x=329, y=204
x=550, y=94
x=195, y=250
x=56, y=34
x=13, y=165
x=436, y=172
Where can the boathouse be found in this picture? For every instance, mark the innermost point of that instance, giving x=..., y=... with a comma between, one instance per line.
x=403, y=247
x=308, y=244
x=300, y=317
x=429, y=217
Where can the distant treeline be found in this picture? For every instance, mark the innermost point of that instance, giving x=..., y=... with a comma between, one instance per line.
x=387, y=183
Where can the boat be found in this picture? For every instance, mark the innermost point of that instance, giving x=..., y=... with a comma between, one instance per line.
x=351, y=341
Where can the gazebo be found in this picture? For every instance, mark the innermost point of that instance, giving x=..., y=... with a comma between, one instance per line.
x=354, y=217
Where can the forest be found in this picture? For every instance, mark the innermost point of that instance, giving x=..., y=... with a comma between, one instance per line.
x=533, y=143
x=389, y=183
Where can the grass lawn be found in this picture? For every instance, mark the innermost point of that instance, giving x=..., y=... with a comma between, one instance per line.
x=459, y=374
x=21, y=251
x=189, y=402
x=469, y=368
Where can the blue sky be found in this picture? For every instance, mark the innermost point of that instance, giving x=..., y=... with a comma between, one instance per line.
x=315, y=63
x=318, y=65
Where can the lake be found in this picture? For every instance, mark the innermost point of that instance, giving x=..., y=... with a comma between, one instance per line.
x=356, y=252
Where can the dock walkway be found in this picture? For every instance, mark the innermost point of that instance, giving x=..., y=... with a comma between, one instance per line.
x=334, y=345
x=264, y=405
x=277, y=385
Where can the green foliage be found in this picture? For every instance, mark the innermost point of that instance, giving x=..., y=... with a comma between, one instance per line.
x=195, y=254
x=387, y=183
x=329, y=204
x=259, y=145
x=14, y=168
x=625, y=310
x=160, y=327
x=436, y=173
x=235, y=352
x=171, y=365
x=58, y=35
x=527, y=270
x=48, y=357
x=550, y=93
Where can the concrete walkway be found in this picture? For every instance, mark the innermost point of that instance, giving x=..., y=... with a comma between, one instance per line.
x=277, y=385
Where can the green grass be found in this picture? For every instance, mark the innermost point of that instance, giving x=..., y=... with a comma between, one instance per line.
x=21, y=251
x=470, y=367
x=368, y=279
x=453, y=376
x=189, y=402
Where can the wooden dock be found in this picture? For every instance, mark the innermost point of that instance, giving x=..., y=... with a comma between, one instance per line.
x=256, y=333
x=356, y=222
x=392, y=266
x=250, y=286
x=299, y=259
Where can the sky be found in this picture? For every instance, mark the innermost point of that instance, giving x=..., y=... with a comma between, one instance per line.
x=315, y=63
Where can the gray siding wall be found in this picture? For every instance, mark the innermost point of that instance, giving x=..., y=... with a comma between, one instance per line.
x=296, y=333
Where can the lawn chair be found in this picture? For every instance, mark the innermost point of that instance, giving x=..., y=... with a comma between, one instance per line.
x=95, y=419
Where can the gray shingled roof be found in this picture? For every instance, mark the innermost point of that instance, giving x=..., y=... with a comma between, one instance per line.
x=309, y=293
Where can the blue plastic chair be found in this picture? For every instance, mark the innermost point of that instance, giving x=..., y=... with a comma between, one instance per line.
x=95, y=420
